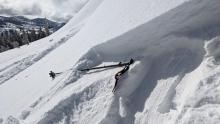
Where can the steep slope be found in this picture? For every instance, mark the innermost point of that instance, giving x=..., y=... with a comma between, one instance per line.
x=21, y=83
x=169, y=47
x=174, y=46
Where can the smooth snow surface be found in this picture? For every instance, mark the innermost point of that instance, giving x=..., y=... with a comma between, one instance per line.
x=175, y=78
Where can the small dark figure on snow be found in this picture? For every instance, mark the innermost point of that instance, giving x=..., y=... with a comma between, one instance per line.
x=131, y=61
x=52, y=74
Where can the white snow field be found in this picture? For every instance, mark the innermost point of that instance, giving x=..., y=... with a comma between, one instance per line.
x=175, y=78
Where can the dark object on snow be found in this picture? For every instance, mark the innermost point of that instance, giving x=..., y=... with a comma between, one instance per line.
x=52, y=74
x=131, y=61
x=120, y=64
x=119, y=74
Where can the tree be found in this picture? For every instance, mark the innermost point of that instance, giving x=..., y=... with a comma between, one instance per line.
x=25, y=37
x=18, y=38
x=46, y=26
x=33, y=35
x=39, y=33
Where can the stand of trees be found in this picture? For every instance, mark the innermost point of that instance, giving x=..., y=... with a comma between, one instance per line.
x=10, y=39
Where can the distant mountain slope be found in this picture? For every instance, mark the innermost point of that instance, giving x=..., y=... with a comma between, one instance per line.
x=23, y=22
x=18, y=30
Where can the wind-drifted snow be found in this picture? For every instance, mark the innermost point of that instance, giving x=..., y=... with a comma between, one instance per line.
x=175, y=78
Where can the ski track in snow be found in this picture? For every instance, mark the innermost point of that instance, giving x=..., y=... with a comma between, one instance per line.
x=11, y=70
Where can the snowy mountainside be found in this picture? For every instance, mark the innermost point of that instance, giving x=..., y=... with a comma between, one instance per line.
x=175, y=78
x=17, y=22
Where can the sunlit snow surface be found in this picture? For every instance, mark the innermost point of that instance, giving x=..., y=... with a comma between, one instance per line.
x=175, y=79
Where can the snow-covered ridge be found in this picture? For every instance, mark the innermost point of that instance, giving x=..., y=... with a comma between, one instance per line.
x=17, y=22
x=175, y=78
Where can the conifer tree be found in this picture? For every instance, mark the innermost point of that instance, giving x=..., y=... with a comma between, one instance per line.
x=25, y=37
x=33, y=35
x=47, y=32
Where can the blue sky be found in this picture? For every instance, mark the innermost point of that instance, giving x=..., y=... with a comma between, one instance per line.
x=58, y=10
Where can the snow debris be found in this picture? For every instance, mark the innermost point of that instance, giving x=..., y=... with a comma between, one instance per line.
x=213, y=48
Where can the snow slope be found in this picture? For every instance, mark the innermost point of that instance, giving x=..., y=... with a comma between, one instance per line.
x=175, y=78
x=21, y=60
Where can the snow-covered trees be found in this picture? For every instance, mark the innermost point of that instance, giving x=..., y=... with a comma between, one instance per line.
x=25, y=37
x=10, y=39
x=47, y=32
x=33, y=35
